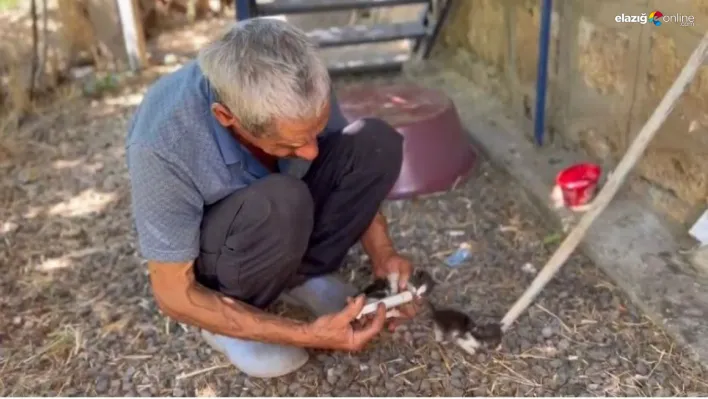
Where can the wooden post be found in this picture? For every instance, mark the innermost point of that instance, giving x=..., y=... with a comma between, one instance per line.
x=133, y=33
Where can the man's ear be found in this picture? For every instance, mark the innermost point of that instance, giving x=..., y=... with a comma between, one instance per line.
x=223, y=115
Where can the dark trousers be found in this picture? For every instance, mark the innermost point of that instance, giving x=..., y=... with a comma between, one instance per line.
x=280, y=230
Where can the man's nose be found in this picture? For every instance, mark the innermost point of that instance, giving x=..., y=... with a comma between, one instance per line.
x=308, y=152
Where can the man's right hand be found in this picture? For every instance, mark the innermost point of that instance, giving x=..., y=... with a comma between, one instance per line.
x=335, y=331
x=179, y=296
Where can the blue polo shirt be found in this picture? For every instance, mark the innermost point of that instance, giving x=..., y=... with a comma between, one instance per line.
x=181, y=159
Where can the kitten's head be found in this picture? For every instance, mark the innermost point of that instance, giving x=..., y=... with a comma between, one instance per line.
x=422, y=282
x=379, y=289
x=490, y=335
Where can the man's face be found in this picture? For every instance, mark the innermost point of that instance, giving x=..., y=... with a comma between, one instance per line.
x=296, y=138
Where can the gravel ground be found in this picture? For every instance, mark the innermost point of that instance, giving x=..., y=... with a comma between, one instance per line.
x=78, y=317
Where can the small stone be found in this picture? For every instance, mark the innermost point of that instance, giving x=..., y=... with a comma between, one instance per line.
x=593, y=387
x=525, y=344
x=178, y=392
x=390, y=385
x=538, y=370
x=598, y=355
x=282, y=389
x=340, y=370
x=343, y=382
x=564, y=344
x=115, y=384
x=425, y=385
x=556, y=363
x=332, y=377
x=641, y=368
x=547, y=332
x=614, y=361
x=293, y=387
x=435, y=355
x=457, y=383
x=101, y=384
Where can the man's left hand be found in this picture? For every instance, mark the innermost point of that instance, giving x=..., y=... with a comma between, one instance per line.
x=397, y=264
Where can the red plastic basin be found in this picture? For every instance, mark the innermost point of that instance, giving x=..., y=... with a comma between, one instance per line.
x=437, y=153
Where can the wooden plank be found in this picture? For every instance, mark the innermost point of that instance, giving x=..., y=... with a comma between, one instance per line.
x=360, y=34
x=369, y=64
x=133, y=33
x=277, y=7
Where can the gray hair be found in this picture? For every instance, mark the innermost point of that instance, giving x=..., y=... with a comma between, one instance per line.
x=264, y=69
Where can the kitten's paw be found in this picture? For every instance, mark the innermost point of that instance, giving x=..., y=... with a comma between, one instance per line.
x=439, y=336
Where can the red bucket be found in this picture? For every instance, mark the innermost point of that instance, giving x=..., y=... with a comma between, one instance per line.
x=578, y=183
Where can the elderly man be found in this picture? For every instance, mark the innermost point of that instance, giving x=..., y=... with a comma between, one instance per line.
x=226, y=225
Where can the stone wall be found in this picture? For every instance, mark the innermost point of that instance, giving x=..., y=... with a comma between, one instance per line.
x=605, y=78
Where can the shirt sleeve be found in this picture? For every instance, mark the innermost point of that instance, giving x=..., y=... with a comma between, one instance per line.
x=167, y=207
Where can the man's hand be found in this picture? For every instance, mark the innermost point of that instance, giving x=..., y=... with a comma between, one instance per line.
x=397, y=264
x=394, y=264
x=386, y=261
x=335, y=331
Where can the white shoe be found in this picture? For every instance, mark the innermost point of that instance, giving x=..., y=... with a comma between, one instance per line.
x=321, y=295
x=258, y=359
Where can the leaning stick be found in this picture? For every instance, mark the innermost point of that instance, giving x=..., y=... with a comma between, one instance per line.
x=614, y=182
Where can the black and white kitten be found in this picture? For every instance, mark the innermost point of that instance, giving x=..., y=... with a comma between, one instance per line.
x=450, y=325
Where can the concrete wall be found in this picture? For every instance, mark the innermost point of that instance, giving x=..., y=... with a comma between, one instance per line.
x=605, y=80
